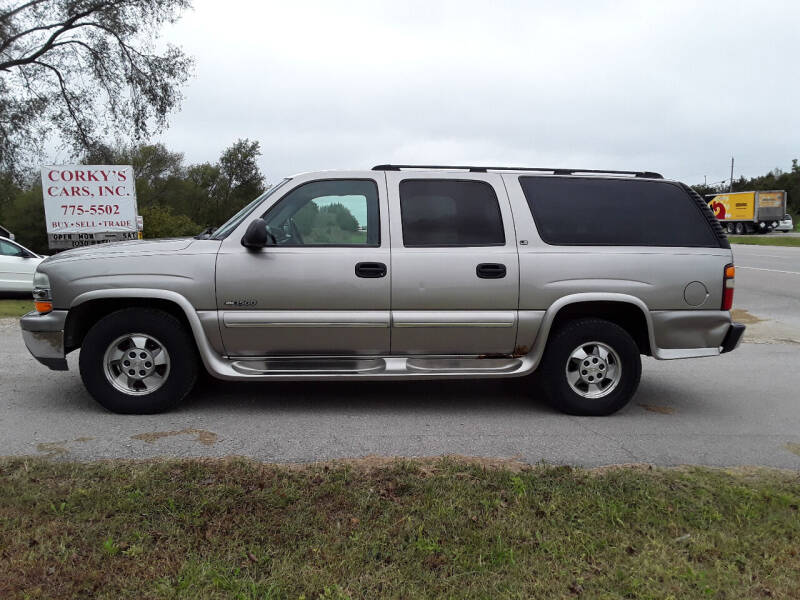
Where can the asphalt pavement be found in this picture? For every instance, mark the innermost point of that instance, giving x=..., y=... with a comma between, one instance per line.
x=768, y=285
x=741, y=408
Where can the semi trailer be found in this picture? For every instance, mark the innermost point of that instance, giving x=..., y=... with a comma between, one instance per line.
x=749, y=212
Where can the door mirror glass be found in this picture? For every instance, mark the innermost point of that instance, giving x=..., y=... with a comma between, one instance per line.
x=256, y=235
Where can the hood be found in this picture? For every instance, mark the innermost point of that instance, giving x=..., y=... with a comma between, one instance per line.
x=133, y=247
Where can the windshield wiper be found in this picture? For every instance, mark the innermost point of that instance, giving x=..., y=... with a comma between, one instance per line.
x=206, y=233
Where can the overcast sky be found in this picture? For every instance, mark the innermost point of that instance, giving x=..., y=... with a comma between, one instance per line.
x=675, y=87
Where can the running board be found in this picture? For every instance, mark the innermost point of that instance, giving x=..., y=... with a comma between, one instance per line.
x=332, y=366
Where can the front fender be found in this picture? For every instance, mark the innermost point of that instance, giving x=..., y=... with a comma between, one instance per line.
x=211, y=358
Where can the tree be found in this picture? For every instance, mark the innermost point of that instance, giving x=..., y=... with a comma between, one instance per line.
x=306, y=217
x=24, y=216
x=207, y=193
x=8, y=190
x=151, y=162
x=205, y=178
x=239, y=181
x=777, y=179
x=343, y=217
x=161, y=222
x=703, y=189
x=84, y=69
x=175, y=199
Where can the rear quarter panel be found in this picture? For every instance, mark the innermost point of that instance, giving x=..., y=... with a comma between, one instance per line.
x=656, y=276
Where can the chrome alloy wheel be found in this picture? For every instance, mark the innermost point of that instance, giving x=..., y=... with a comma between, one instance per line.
x=593, y=370
x=136, y=364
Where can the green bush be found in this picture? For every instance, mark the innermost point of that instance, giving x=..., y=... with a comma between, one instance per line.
x=161, y=222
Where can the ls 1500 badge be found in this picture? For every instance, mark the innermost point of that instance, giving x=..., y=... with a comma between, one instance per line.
x=240, y=303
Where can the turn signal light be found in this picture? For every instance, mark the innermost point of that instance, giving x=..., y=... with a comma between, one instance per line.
x=43, y=307
x=728, y=287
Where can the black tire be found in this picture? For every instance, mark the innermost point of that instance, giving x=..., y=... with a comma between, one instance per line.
x=739, y=228
x=168, y=331
x=583, y=332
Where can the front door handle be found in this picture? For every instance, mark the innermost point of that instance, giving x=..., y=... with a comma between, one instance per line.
x=370, y=270
x=490, y=271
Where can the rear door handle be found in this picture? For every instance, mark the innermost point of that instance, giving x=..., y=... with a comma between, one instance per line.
x=370, y=270
x=490, y=271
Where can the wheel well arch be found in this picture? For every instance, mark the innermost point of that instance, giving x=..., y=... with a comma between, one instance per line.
x=82, y=317
x=625, y=314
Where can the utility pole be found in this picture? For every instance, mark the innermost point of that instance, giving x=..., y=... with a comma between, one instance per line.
x=730, y=186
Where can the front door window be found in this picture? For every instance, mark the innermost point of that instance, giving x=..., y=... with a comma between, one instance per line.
x=327, y=213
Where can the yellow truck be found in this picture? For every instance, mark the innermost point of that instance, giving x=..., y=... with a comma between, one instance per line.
x=748, y=212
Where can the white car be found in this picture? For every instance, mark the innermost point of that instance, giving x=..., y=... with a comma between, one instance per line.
x=786, y=224
x=17, y=265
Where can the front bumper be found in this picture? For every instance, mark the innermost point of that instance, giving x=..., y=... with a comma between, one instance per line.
x=44, y=337
x=733, y=338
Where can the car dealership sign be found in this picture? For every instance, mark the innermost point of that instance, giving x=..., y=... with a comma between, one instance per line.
x=89, y=204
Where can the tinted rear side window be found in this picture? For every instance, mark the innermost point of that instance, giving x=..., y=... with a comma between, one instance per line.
x=446, y=212
x=607, y=212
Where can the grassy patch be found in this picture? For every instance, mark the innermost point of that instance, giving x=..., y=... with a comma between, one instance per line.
x=444, y=529
x=764, y=240
x=15, y=308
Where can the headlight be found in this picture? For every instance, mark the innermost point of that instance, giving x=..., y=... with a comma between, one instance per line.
x=41, y=280
x=42, y=297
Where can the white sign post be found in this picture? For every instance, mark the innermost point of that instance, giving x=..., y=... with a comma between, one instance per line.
x=89, y=204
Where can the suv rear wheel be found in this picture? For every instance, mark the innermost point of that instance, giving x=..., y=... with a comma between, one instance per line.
x=138, y=361
x=590, y=367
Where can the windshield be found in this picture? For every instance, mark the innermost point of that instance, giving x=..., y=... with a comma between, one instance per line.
x=235, y=220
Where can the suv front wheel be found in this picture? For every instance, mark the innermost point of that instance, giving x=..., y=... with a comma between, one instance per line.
x=591, y=367
x=138, y=361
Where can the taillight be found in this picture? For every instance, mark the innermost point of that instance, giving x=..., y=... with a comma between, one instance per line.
x=727, y=287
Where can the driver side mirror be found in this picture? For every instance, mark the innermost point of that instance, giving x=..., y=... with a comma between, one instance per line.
x=256, y=235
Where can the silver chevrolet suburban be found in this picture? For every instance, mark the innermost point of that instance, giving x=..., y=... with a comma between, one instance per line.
x=403, y=272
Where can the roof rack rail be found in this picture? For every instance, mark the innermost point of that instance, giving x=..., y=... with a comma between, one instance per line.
x=476, y=169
